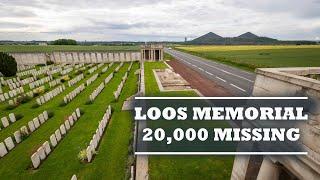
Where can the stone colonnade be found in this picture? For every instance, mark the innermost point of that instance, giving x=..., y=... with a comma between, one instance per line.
x=287, y=82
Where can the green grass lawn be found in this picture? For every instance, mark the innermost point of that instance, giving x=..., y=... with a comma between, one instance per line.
x=112, y=158
x=183, y=167
x=51, y=48
x=252, y=57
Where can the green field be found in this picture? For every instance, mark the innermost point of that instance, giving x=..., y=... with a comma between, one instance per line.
x=183, y=167
x=51, y=48
x=112, y=159
x=252, y=57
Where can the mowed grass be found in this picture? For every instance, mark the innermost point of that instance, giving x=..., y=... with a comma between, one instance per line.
x=62, y=163
x=183, y=167
x=252, y=57
x=51, y=48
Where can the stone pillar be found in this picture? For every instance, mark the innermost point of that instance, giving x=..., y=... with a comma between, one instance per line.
x=240, y=167
x=268, y=170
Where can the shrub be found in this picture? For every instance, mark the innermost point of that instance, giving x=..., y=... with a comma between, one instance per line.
x=24, y=99
x=38, y=91
x=82, y=156
x=49, y=62
x=35, y=105
x=64, y=78
x=24, y=135
x=8, y=65
x=18, y=116
x=62, y=103
x=50, y=114
x=81, y=111
x=88, y=102
x=10, y=107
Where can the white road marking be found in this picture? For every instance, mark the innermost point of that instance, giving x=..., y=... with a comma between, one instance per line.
x=227, y=72
x=200, y=69
x=209, y=73
x=220, y=79
x=237, y=87
x=194, y=65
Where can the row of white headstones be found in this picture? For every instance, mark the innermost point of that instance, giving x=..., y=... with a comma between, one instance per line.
x=44, y=151
x=50, y=95
x=9, y=144
x=40, y=82
x=11, y=94
x=93, y=145
x=75, y=80
x=34, y=124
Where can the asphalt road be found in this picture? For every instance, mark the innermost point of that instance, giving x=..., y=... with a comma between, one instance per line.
x=237, y=81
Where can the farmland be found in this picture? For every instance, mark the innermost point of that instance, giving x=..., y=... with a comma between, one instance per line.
x=51, y=48
x=252, y=57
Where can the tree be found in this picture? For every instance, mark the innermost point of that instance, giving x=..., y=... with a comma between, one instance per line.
x=8, y=65
x=64, y=42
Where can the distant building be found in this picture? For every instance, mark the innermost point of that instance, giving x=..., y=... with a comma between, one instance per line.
x=152, y=52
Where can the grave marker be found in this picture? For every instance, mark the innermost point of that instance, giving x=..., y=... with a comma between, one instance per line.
x=46, y=147
x=41, y=153
x=5, y=122
x=35, y=159
x=3, y=150
x=9, y=143
x=17, y=136
x=53, y=140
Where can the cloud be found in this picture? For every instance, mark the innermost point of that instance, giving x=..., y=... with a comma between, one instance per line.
x=156, y=20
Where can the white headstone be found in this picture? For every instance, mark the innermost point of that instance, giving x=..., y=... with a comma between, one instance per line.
x=67, y=125
x=9, y=143
x=12, y=117
x=58, y=134
x=5, y=122
x=94, y=141
x=24, y=130
x=17, y=136
x=2, y=98
x=3, y=150
x=46, y=147
x=89, y=154
x=63, y=129
x=78, y=112
x=36, y=123
x=31, y=126
x=53, y=140
x=41, y=153
x=35, y=158
x=45, y=114
x=71, y=120
x=74, y=115
x=74, y=177
x=41, y=118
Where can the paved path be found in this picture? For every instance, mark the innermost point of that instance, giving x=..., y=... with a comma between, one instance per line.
x=238, y=82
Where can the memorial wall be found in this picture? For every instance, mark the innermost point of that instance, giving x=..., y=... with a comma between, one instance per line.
x=75, y=57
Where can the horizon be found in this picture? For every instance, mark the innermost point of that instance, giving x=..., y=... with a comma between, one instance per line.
x=168, y=20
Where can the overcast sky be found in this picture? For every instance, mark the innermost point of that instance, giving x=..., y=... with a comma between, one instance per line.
x=145, y=20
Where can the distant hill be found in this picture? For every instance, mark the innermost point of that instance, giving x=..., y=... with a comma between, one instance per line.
x=248, y=35
x=208, y=38
x=247, y=38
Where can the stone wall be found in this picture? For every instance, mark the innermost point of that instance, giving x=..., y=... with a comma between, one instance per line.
x=288, y=82
x=75, y=57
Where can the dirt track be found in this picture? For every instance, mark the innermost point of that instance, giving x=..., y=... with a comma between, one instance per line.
x=198, y=81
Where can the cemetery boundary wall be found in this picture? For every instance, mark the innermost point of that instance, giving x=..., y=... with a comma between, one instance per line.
x=75, y=57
